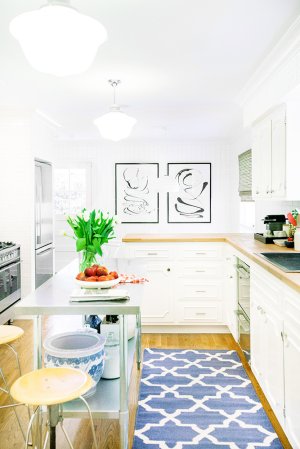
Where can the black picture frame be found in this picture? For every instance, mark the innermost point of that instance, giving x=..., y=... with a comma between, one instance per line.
x=117, y=205
x=170, y=195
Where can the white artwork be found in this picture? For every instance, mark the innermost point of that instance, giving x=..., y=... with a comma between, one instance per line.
x=137, y=200
x=191, y=203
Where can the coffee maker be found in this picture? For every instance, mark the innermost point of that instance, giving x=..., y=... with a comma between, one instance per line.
x=273, y=223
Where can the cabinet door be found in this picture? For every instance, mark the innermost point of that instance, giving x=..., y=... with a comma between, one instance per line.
x=278, y=154
x=292, y=387
x=157, y=303
x=261, y=160
x=273, y=363
x=258, y=338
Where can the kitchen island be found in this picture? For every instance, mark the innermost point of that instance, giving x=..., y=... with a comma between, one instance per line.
x=53, y=298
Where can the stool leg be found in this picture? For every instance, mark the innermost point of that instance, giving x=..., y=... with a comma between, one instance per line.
x=19, y=368
x=13, y=406
x=61, y=419
x=66, y=435
x=91, y=420
x=29, y=428
x=38, y=435
x=53, y=416
x=46, y=440
x=16, y=356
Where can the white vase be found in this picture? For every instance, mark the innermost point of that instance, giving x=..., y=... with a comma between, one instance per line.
x=297, y=239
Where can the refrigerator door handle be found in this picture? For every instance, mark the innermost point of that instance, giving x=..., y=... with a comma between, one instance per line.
x=38, y=205
x=38, y=252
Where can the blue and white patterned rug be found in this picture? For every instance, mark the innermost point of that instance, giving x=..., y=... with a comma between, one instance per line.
x=192, y=399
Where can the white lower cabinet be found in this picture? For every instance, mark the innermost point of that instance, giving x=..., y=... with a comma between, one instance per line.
x=157, y=303
x=274, y=379
x=185, y=282
x=275, y=348
x=292, y=366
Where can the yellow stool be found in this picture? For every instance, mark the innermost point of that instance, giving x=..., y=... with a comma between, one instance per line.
x=9, y=334
x=52, y=387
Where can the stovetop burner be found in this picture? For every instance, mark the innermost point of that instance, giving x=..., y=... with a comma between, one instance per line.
x=5, y=245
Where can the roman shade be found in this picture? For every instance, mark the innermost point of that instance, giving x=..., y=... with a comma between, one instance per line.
x=245, y=176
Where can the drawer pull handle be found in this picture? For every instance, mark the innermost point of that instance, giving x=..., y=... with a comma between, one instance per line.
x=200, y=271
x=200, y=313
x=200, y=291
x=152, y=254
x=201, y=254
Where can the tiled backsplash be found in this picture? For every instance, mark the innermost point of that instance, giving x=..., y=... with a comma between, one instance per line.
x=263, y=208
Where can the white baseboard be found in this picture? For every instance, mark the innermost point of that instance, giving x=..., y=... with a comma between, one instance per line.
x=178, y=329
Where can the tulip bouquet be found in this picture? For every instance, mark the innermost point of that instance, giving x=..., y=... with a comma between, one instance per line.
x=292, y=218
x=91, y=231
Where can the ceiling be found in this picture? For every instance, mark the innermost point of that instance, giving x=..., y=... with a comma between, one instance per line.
x=181, y=62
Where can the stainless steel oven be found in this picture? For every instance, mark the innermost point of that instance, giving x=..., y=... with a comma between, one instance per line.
x=243, y=310
x=10, y=277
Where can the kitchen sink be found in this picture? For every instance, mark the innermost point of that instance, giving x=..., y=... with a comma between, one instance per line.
x=288, y=262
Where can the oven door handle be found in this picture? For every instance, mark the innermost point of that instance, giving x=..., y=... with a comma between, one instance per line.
x=239, y=314
x=244, y=273
x=9, y=266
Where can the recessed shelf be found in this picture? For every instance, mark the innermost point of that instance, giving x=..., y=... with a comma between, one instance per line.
x=105, y=403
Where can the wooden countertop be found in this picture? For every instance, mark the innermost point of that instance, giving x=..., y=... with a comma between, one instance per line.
x=244, y=243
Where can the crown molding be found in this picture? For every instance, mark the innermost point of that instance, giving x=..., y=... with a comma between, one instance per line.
x=286, y=48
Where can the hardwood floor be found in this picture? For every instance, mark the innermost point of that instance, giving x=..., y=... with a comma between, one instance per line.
x=106, y=430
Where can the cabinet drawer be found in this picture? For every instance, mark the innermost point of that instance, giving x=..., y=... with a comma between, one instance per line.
x=152, y=253
x=197, y=270
x=292, y=308
x=193, y=313
x=201, y=253
x=199, y=290
x=266, y=289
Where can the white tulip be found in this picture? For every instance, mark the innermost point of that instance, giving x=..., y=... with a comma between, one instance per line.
x=86, y=216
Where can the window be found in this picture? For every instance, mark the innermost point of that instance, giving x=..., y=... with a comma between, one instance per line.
x=71, y=189
x=245, y=176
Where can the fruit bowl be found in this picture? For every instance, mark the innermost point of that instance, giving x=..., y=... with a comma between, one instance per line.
x=97, y=276
x=102, y=284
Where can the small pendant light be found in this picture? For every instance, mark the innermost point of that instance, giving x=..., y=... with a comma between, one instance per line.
x=115, y=125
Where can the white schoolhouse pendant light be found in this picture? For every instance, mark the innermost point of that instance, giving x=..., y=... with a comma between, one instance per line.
x=115, y=125
x=57, y=39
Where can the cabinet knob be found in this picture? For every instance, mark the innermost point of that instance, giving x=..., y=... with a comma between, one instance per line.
x=168, y=269
x=272, y=191
x=230, y=277
x=267, y=191
x=257, y=192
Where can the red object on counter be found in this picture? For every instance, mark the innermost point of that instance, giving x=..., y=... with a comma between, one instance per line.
x=291, y=219
x=131, y=279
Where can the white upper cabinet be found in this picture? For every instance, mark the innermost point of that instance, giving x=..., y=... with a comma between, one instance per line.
x=269, y=156
x=261, y=154
x=278, y=153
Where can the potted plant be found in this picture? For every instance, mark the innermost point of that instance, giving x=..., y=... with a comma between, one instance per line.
x=91, y=231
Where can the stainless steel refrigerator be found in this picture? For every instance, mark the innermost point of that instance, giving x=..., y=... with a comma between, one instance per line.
x=44, y=249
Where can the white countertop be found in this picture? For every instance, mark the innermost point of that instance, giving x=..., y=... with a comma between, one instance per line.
x=53, y=298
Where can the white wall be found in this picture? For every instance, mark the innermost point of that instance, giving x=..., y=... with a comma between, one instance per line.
x=103, y=157
x=16, y=186
x=23, y=137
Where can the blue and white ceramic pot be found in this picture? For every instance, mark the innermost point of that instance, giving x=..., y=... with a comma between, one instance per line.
x=82, y=350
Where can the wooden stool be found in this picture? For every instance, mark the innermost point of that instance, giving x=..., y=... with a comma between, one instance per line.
x=9, y=334
x=52, y=387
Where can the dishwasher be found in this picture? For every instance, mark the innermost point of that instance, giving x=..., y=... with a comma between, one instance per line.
x=243, y=306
